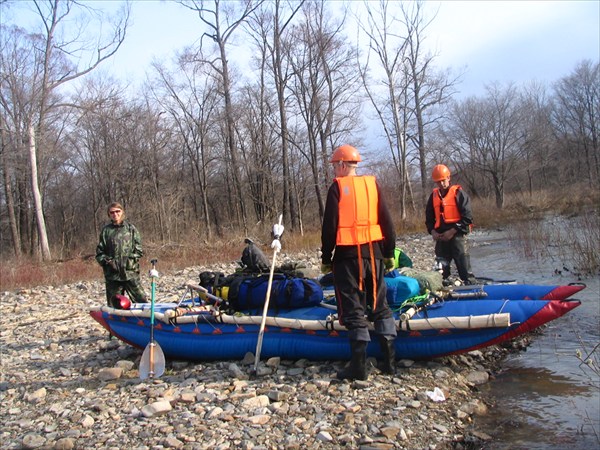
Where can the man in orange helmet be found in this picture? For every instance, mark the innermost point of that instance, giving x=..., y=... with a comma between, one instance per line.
x=357, y=245
x=448, y=218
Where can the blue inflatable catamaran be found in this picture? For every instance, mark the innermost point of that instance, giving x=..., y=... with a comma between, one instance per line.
x=465, y=319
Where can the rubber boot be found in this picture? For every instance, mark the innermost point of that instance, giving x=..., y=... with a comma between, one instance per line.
x=388, y=350
x=357, y=369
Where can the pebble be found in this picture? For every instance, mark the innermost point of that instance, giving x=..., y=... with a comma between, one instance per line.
x=64, y=384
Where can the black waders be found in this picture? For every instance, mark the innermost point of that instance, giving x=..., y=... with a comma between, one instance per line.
x=389, y=355
x=357, y=370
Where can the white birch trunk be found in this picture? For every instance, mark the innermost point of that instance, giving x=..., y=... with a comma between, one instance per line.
x=37, y=198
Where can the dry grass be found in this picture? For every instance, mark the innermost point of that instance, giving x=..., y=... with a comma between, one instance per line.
x=28, y=273
x=574, y=238
x=523, y=212
x=519, y=207
x=566, y=228
x=586, y=249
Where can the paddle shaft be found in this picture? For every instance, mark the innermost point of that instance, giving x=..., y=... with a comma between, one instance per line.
x=261, y=331
x=152, y=344
x=152, y=363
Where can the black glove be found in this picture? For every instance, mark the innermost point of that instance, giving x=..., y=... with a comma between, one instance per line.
x=326, y=268
x=389, y=263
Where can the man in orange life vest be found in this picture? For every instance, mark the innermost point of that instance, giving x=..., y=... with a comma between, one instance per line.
x=448, y=218
x=357, y=245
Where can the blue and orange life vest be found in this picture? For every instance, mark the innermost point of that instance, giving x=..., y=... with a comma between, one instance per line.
x=358, y=221
x=446, y=207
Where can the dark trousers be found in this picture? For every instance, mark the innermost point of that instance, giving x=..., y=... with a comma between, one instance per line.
x=353, y=304
x=456, y=249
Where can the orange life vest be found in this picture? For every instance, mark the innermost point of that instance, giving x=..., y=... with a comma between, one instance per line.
x=446, y=207
x=358, y=222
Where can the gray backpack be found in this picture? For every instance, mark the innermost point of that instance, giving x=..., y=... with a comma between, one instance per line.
x=253, y=259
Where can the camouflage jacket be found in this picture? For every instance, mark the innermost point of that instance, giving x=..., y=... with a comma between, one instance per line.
x=119, y=251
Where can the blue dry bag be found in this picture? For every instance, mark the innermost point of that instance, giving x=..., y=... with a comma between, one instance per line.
x=400, y=288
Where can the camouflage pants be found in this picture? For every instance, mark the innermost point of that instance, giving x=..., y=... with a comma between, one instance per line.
x=133, y=287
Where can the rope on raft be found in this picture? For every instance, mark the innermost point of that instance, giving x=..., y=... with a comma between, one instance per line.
x=213, y=315
x=202, y=311
x=499, y=320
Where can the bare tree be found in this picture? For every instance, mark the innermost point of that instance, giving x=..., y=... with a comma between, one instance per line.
x=576, y=118
x=431, y=89
x=222, y=19
x=65, y=54
x=392, y=105
x=190, y=98
x=124, y=149
x=21, y=73
x=325, y=86
x=17, y=64
x=98, y=144
x=262, y=154
x=260, y=117
x=206, y=147
x=413, y=91
x=270, y=27
x=486, y=134
x=539, y=151
x=6, y=168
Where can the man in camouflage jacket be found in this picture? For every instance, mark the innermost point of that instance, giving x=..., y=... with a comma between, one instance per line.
x=119, y=252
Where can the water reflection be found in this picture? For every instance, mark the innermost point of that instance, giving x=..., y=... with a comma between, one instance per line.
x=544, y=398
x=529, y=384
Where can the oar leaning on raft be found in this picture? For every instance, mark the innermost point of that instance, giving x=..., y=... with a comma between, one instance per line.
x=152, y=364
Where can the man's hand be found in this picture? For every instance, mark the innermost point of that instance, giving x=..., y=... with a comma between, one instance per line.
x=112, y=264
x=389, y=263
x=435, y=235
x=325, y=268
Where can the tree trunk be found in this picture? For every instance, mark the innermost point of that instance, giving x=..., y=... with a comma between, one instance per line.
x=235, y=165
x=37, y=198
x=289, y=198
x=10, y=204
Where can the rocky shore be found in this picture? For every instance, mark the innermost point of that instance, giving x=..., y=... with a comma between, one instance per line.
x=65, y=385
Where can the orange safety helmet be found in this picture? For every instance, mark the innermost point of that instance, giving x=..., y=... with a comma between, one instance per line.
x=440, y=172
x=345, y=153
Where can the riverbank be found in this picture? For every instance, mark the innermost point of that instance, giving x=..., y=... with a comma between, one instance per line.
x=65, y=385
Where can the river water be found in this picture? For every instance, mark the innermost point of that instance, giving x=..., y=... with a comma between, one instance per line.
x=544, y=397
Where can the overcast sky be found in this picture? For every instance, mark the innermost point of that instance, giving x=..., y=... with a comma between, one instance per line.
x=504, y=41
